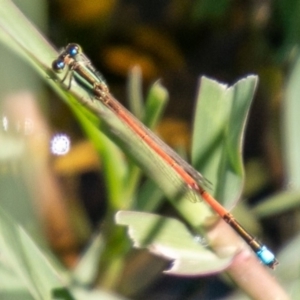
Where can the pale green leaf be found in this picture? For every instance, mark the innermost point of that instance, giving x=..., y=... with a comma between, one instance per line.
x=278, y=203
x=87, y=269
x=170, y=239
x=291, y=125
x=82, y=294
x=219, y=124
x=28, y=262
x=289, y=260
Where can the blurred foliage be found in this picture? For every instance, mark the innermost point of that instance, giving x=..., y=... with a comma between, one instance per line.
x=176, y=41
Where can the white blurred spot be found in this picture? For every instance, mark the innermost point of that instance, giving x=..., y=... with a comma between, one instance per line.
x=5, y=123
x=60, y=144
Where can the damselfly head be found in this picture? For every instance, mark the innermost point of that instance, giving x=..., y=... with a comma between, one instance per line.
x=68, y=53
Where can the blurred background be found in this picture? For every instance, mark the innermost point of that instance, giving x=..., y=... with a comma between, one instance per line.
x=175, y=42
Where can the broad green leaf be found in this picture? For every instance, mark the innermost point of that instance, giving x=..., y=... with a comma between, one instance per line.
x=219, y=124
x=170, y=239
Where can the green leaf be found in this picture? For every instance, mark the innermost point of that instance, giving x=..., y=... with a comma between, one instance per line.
x=278, y=203
x=114, y=165
x=24, y=258
x=291, y=125
x=150, y=113
x=289, y=260
x=156, y=102
x=170, y=239
x=149, y=197
x=87, y=269
x=287, y=13
x=94, y=294
x=11, y=288
x=135, y=94
x=219, y=124
x=23, y=38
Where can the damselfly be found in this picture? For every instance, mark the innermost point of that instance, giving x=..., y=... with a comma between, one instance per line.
x=79, y=65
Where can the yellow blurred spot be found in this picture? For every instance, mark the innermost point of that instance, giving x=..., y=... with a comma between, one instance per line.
x=120, y=60
x=82, y=157
x=86, y=11
x=160, y=45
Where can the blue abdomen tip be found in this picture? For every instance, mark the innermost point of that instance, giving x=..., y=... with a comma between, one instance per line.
x=266, y=256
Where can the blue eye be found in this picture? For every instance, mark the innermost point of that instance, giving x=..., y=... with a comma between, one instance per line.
x=58, y=65
x=73, y=49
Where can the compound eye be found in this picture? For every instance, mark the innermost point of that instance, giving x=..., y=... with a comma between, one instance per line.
x=73, y=49
x=58, y=65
